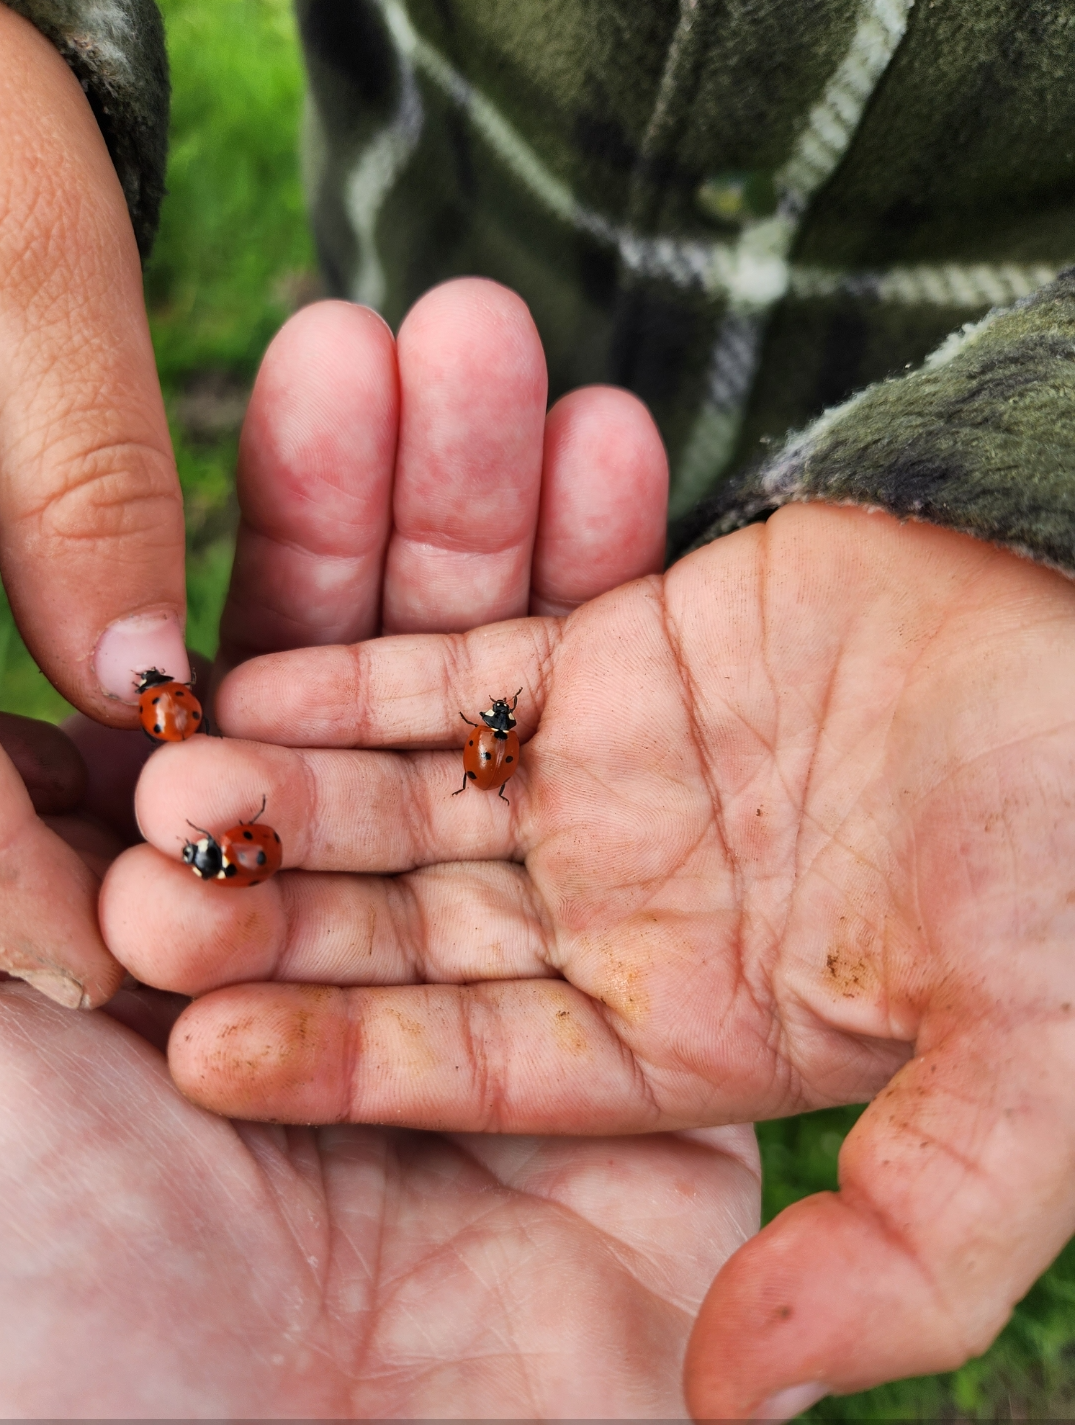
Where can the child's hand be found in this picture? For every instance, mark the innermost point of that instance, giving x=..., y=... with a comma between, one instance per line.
x=793, y=813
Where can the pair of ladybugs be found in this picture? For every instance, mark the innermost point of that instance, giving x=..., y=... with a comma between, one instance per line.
x=247, y=854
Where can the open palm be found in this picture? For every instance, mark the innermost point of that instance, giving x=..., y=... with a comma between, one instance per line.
x=218, y=1270
x=167, y=1262
x=786, y=816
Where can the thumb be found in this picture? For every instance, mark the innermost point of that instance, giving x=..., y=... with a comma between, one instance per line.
x=91, y=526
x=956, y=1193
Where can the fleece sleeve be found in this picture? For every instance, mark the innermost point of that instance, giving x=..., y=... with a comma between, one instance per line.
x=116, y=49
x=980, y=439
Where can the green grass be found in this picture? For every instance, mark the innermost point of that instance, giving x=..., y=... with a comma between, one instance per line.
x=233, y=249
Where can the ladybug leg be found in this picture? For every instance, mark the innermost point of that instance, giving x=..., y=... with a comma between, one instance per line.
x=467, y=720
x=464, y=786
x=501, y=795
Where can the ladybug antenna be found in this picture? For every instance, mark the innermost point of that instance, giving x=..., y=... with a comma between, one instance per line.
x=515, y=704
x=264, y=800
x=201, y=829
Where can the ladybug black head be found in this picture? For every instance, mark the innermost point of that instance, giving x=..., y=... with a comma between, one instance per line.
x=204, y=857
x=501, y=716
x=152, y=678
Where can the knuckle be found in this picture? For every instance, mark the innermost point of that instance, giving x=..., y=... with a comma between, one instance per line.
x=112, y=493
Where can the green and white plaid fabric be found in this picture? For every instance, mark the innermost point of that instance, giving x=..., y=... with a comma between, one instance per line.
x=763, y=216
x=746, y=211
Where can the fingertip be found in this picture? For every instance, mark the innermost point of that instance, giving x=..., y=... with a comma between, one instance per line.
x=604, y=499
x=265, y=1052
x=473, y=310
x=215, y=934
x=131, y=645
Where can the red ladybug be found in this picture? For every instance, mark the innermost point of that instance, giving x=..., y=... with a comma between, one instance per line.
x=244, y=856
x=168, y=710
x=491, y=756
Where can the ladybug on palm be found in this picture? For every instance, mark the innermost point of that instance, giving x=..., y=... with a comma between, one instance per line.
x=167, y=709
x=491, y=755
x=244, y=856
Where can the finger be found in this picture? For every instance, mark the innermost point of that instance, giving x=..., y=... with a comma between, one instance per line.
x=315, y=485
x=604, y=499
x=48, y=762
x=468, y=471
x=334, y=811
x=396, y=692
x=48, y=930
x=526, y=1057
x=455, y=923
x=91, y=549
x=956, y=1192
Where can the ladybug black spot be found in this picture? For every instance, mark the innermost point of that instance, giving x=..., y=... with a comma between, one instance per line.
x=249, y=835
x=157, y=727
x=196, y=716
x=261, y=858
x=180, y=692
x=485, y=756
x=473, y=776
x=276, y=838
x=156, y=701
x=471, y=742
x=509, y=759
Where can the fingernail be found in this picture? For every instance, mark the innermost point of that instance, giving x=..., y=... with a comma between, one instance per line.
x=130, y=646
x=791, y=1401
x=54, y=985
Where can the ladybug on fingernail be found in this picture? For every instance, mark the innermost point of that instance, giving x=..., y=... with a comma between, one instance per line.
x=491, y=756
x=244, y=856
x=167, y=709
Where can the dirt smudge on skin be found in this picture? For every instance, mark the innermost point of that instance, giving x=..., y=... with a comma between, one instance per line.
x=849, y=968
x=569, y=1033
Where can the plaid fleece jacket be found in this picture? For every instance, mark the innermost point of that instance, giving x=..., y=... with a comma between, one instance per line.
x=825, y=240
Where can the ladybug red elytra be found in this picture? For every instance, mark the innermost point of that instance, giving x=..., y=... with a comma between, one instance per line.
x=244, y=856
x=491, y=756
x=169, y=711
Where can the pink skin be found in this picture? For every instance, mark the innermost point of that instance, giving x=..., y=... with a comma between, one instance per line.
x=91, y=521
x=241, y=1270
x=792, y=827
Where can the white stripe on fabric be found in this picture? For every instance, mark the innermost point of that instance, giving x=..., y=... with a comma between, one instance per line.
x=948, y=284
x=833, y=121
x=830, y=127
x=376, y=173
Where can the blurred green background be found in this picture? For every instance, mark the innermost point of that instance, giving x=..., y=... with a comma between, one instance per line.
x=234, y=257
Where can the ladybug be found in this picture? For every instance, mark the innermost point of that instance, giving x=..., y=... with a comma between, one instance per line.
x=244, y=856
x=169, y=711
x=491, y=756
